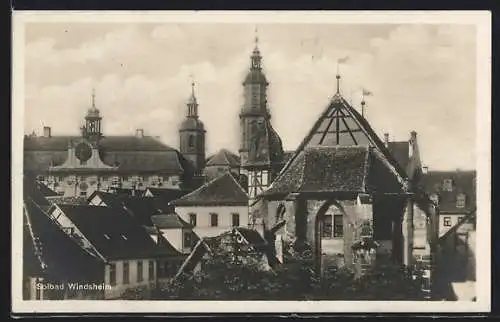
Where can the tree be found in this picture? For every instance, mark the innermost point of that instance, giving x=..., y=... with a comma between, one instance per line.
x=235, y=272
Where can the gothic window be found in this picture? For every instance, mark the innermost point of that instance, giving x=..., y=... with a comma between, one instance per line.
x=332, y=224
x=191, y=141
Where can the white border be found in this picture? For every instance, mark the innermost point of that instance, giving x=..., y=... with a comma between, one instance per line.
x=482, y=20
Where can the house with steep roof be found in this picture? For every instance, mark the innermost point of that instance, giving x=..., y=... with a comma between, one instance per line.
x=131, y=257
x=343, y=186
x=249, y=240
x=54, y=263
x=215, y=207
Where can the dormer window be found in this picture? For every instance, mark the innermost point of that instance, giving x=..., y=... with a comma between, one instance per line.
x=124, y=237
x=106, y=236
x=461, y=201
x=448, y=185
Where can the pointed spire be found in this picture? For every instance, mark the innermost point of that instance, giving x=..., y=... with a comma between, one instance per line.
x=93, y=97
x=192, y=103
x=256, y=37
x=338, y=84
x=256, y=57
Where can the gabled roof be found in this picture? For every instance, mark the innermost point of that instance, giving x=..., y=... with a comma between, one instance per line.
x=114, y=233
x=336, y=169
x=224, y=157
x=209, y=245
x=47, y=250
x=341, y=125
x=463, y=182
x=169, y=221
x=221, y=191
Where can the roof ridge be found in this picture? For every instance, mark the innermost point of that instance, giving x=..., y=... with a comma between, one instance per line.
x=237, y=183
x=203, y=186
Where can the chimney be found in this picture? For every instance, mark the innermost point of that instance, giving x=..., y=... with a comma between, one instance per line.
x=425, y=169
x=46, y=131
x=139, y=133
x=413, y=135
x=386, y=139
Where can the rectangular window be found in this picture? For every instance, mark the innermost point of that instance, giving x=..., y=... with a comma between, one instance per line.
x=187, y=240
x=460, y=201
x=140, y=274
x=459, y=219
x=192, y=219
x=338, y=226
x=235, y=220
x=447, y=221
x=327, y=228
x=151, y=270
x=214, y=220
x=112, y=274
x=126, y=272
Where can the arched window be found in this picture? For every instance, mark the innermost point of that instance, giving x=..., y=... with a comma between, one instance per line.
x=333, y=223
x=191, y=141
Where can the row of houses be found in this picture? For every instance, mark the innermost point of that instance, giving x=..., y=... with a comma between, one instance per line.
x=100, y=247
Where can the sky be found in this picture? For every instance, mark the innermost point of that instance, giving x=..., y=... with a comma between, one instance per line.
x=423, y=78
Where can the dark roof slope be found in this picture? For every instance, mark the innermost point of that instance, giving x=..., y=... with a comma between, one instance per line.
x=114, y=233
x=401, y=153
x=224, y=157
x=31, y=190
x=167, y=194
x=46, y=191
x=48, y=250
x=463, y=182
x=169, y=221
x=222, y=191
x=335, y=169
x=142, y=208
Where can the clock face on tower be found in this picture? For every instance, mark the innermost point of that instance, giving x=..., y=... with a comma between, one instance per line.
x=83, y=152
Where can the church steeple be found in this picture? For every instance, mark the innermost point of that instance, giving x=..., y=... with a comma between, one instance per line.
x=256, y=58
x=192, y=103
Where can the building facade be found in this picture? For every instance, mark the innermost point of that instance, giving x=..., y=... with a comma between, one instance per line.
x=79, y=165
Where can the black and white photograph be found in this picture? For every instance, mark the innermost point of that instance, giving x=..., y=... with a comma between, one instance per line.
x=296, y=159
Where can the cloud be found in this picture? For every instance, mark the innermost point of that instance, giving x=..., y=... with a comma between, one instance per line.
x=422, y=77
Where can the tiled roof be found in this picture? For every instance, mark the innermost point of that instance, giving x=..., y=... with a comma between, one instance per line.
x=114, y=233
x=224, y=157
x=463, y=182
x=48, y=250
x=222, y=191
x=129, y=153
x=166, y=248
x=68, y=200
x=341, y=125
x=169, y=221
x=335, y=169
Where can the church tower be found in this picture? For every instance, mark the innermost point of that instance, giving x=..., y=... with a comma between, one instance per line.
x=261, y=149
x=192, y=134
